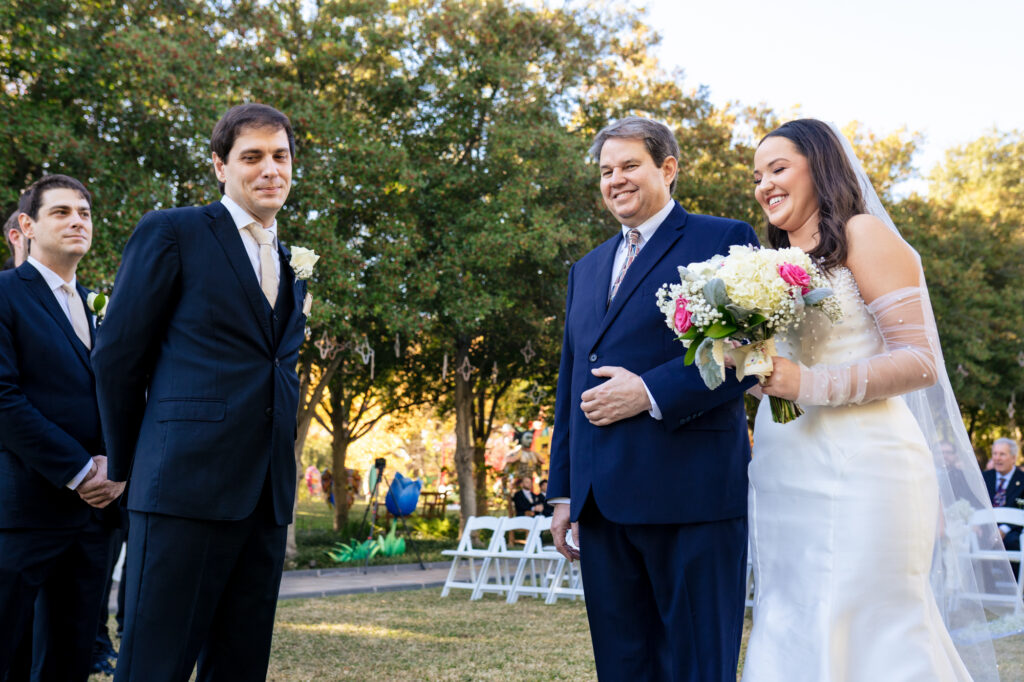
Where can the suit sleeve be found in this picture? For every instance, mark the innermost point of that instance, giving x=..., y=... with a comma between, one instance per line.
x=558, y=471
x=679, y=391
x=145, y=291
x=26, y=432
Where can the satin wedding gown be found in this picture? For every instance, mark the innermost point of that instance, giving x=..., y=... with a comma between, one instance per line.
x=843, y=513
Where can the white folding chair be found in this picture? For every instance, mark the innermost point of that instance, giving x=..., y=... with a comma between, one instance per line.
x=498, y=557
x=536, y=562
x=466, y=552
x=980, y=555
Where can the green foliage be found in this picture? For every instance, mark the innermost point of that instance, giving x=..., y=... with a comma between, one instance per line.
x=390, y=544
x=354, y=551
x=445, y=528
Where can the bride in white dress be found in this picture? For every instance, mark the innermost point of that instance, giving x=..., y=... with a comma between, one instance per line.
x=846, y=502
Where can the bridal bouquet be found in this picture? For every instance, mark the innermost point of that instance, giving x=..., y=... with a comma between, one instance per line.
x=745, y=298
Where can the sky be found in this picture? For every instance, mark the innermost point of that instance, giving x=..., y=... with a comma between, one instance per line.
x=952, y=71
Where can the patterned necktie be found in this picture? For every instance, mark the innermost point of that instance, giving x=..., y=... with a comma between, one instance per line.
x=634, y=246
x=79, y=320
x=268, y=273
x=1000, y=499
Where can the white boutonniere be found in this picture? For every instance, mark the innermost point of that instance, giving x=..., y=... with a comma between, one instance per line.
x=1020, y=502
x=97, y=304
x=302, y=261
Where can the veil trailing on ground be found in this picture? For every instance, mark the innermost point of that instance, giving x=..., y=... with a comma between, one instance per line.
x=977, y=596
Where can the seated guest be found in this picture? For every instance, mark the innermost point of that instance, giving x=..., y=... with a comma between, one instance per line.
x=548, y=510
x=527, y=504
x=1006, y=486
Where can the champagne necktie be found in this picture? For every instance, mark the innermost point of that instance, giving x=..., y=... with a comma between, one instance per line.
x=268, y=273
x=79, y=320
x=634, y=247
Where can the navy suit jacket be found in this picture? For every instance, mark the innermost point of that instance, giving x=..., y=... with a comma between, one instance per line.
x=689, y=467
x=196, y=376
x=1014, y=494
x=49, y=421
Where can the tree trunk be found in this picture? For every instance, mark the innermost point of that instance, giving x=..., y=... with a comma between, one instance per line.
x=304, y=418
x=464, y=450
x=480, y=469
x=339, y=449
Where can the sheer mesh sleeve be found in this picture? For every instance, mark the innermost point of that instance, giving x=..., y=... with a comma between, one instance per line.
x=907, y=364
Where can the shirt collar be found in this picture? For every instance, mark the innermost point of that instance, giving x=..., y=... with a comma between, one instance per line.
x=53, y=280
x=650, y=226
x=241, y=216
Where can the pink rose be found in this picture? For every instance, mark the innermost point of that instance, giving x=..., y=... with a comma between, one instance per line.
x=682, y=318
x=796, y=276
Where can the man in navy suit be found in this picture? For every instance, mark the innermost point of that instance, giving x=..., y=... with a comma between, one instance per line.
x=53, y=546
x=1005, y=484
x=198, y=390
x=647, y=464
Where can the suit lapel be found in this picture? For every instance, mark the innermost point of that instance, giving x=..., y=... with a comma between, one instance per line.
x=667, y=234
x=83, y=293
x=37, y=285
x=605, y=263
x=223, y=228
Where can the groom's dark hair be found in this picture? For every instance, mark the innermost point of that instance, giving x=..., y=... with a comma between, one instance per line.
x=657, y=137
x=250, y=115
x=32, y=198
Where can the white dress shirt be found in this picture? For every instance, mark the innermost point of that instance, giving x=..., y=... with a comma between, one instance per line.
x=56, y=284
x=252, y=248
x=646, y=230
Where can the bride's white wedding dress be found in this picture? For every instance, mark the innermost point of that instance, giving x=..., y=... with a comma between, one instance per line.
x=843, y=513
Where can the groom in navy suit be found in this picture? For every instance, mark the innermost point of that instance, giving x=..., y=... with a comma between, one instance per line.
x=53, y=545
x=647, y=464
x=198, y=390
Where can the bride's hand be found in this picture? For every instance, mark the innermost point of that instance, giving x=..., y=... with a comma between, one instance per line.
x=784, y=381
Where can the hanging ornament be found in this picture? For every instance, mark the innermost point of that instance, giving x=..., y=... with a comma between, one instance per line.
x=367, y=355
x=1020, y=358
x=494, y=373
x=535, y=394
x=444, y=368
x=1011, y=409
x=961, y=371
x=528, y=351
x=398, y=347
x=466, y=369
x=328, y=346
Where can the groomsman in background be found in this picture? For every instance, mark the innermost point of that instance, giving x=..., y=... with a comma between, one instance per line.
x=197, y=382
x=1005, y=483
x=16, y=242
x=53, y=546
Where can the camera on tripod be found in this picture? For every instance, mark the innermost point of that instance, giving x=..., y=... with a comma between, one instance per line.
x=379, y=464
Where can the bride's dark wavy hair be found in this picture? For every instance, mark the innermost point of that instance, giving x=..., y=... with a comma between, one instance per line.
x=839, y=195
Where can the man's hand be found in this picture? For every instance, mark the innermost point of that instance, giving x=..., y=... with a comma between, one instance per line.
x=97, y=490
x=621, y=397
x=559, y=525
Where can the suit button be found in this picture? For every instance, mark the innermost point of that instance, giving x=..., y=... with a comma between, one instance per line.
x=275, y=317
x=277, y=362
x=269, y=412
x=593, y=357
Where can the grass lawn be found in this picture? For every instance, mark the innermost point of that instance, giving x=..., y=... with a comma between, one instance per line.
x=315, y=535
x=411, y=636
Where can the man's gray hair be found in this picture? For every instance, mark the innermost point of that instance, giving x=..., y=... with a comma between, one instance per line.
x=657, y=137
x=1010, y=443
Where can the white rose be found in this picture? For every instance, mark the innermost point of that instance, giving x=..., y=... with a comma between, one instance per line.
x=303, y=261
x=97, y=304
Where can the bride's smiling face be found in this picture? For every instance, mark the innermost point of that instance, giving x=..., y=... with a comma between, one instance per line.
x=784, y=187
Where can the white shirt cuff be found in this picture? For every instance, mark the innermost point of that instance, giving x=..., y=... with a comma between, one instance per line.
x=655, y=412
x=558, y=500
x=73, y=483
